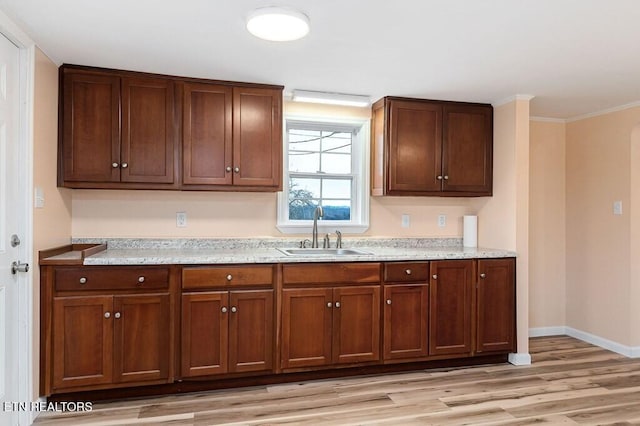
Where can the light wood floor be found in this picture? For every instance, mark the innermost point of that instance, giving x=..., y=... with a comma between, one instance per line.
x=569, y=382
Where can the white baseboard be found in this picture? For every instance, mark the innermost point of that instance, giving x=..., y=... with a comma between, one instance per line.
x=520, y=359
x=628, y=351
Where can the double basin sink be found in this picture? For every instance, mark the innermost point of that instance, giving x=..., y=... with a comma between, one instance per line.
x=313, y=252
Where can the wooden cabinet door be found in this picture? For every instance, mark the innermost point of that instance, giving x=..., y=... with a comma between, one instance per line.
x=206, y=134
x=467, y=149
x=141, y=337
x=257, y=137
x=251, y=330
x=496, y=305
x=356, y=324
x=148, y=130
x=82, y=341
x=406, y=319
x=306, y=327
x=450, y=307
x=414, y=147
x=205, y=339
x=90, y=128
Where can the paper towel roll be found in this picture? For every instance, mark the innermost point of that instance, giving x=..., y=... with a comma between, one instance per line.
x=470, y=231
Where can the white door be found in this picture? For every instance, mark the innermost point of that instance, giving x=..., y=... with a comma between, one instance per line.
x=12, y=222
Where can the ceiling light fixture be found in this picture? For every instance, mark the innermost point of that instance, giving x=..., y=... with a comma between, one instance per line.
x=278, y=24
x=330, y=98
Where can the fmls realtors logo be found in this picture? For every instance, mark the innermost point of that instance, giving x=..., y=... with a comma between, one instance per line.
x=47, y=406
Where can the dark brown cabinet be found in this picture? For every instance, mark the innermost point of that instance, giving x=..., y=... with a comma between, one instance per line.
x=451, y=300
x=105, y=339
x=495, y=305
x=228, y=331
x=406, y=310
x=422, y=147
x=116, y=131
x=334, y=315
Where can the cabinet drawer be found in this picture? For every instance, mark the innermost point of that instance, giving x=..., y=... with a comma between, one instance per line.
x=406, y=272
x=331, y=273
x=111, y=279
x=223, y=276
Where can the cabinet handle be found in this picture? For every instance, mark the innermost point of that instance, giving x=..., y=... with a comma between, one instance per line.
x=83, y=280
x=115, y=165
x=329, y=304
x=388, y=301
x=236, y=169
x=228, y=169
x=435, y=276
x=446, y=177
x=234, y=309
x=408, y=272
x=117, y=315
x=483, y=275
x=338, y=305
x=224, y=309
x=229, y=277
x=107, y=315
x=141, y=279
x=124, y=165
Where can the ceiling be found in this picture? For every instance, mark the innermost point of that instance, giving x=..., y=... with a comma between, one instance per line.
x=575, y=56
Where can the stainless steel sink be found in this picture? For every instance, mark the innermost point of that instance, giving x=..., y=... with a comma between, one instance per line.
x=323, y=252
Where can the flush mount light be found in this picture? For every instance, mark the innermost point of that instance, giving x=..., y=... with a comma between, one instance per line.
x=278, y=24
x=330, y=98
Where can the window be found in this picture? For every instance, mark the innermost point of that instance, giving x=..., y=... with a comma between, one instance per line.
x=325, y=165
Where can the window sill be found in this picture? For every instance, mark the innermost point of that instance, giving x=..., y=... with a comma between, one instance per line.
x=323, y=228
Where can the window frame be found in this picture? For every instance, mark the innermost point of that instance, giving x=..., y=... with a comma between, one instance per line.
x=359, y=221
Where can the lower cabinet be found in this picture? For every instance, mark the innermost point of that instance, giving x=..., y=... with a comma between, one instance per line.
x=227, y=320
x=100, y=340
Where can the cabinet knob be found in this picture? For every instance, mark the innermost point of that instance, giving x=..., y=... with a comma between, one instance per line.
x=141, y=279
x=483, y=275
x=107, y=315
x=329, y=304
x=388, y=301
x=117, y=315
x=228, y=168
x=435, y=276
x=115, y=165
x=234, y=309
x=446, y=177
x=229, y=277
x=236, y=169
x=338, y=305
x=224, y=309
x=439, y=177
x=124, y=165
x=408, y=271
x=83, y=280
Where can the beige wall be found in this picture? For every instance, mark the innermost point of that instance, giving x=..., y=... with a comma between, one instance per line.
x=218, y=214
x=51, y=224
x=601, y=298
x=547, y=286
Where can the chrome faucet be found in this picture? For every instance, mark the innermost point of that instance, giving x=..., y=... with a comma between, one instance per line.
x=314, y=233
x=339, y=239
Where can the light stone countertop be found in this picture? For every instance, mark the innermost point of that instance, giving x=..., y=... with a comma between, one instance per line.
x=124, y=251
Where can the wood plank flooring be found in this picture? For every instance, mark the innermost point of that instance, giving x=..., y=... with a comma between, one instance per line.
x=569, y=382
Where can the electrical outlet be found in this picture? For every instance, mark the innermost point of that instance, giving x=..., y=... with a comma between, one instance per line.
x=617, y=207
x=406, y=220
x=181, y=219
x=442, y=220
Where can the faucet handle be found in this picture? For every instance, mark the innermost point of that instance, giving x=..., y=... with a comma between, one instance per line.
x=326, y=243
x=338, y=239
x=303, y=243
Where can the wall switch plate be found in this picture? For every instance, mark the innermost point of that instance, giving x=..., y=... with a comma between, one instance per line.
x=181, y=219
x=38, y=195
x=442, y=220
x=617, y=207
x=406, y=220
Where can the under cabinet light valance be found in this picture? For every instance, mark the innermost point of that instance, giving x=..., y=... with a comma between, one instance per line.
x=330, y=98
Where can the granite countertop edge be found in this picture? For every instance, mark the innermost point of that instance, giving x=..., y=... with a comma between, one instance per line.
x=128, y=251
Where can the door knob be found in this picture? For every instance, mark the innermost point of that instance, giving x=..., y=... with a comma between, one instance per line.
x=19, y=267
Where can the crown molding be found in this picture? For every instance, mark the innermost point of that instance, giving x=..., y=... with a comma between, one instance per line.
x=603, y=112
x=512, y=99
x=548, y=119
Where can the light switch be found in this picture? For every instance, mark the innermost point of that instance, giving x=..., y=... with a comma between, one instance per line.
x=406, y=220
x=442, y=220
x=38, y=197
x=617, y=207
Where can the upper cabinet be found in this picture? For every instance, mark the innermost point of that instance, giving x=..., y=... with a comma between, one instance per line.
x=433, y=148
x=121, y=129
x=232, y=136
